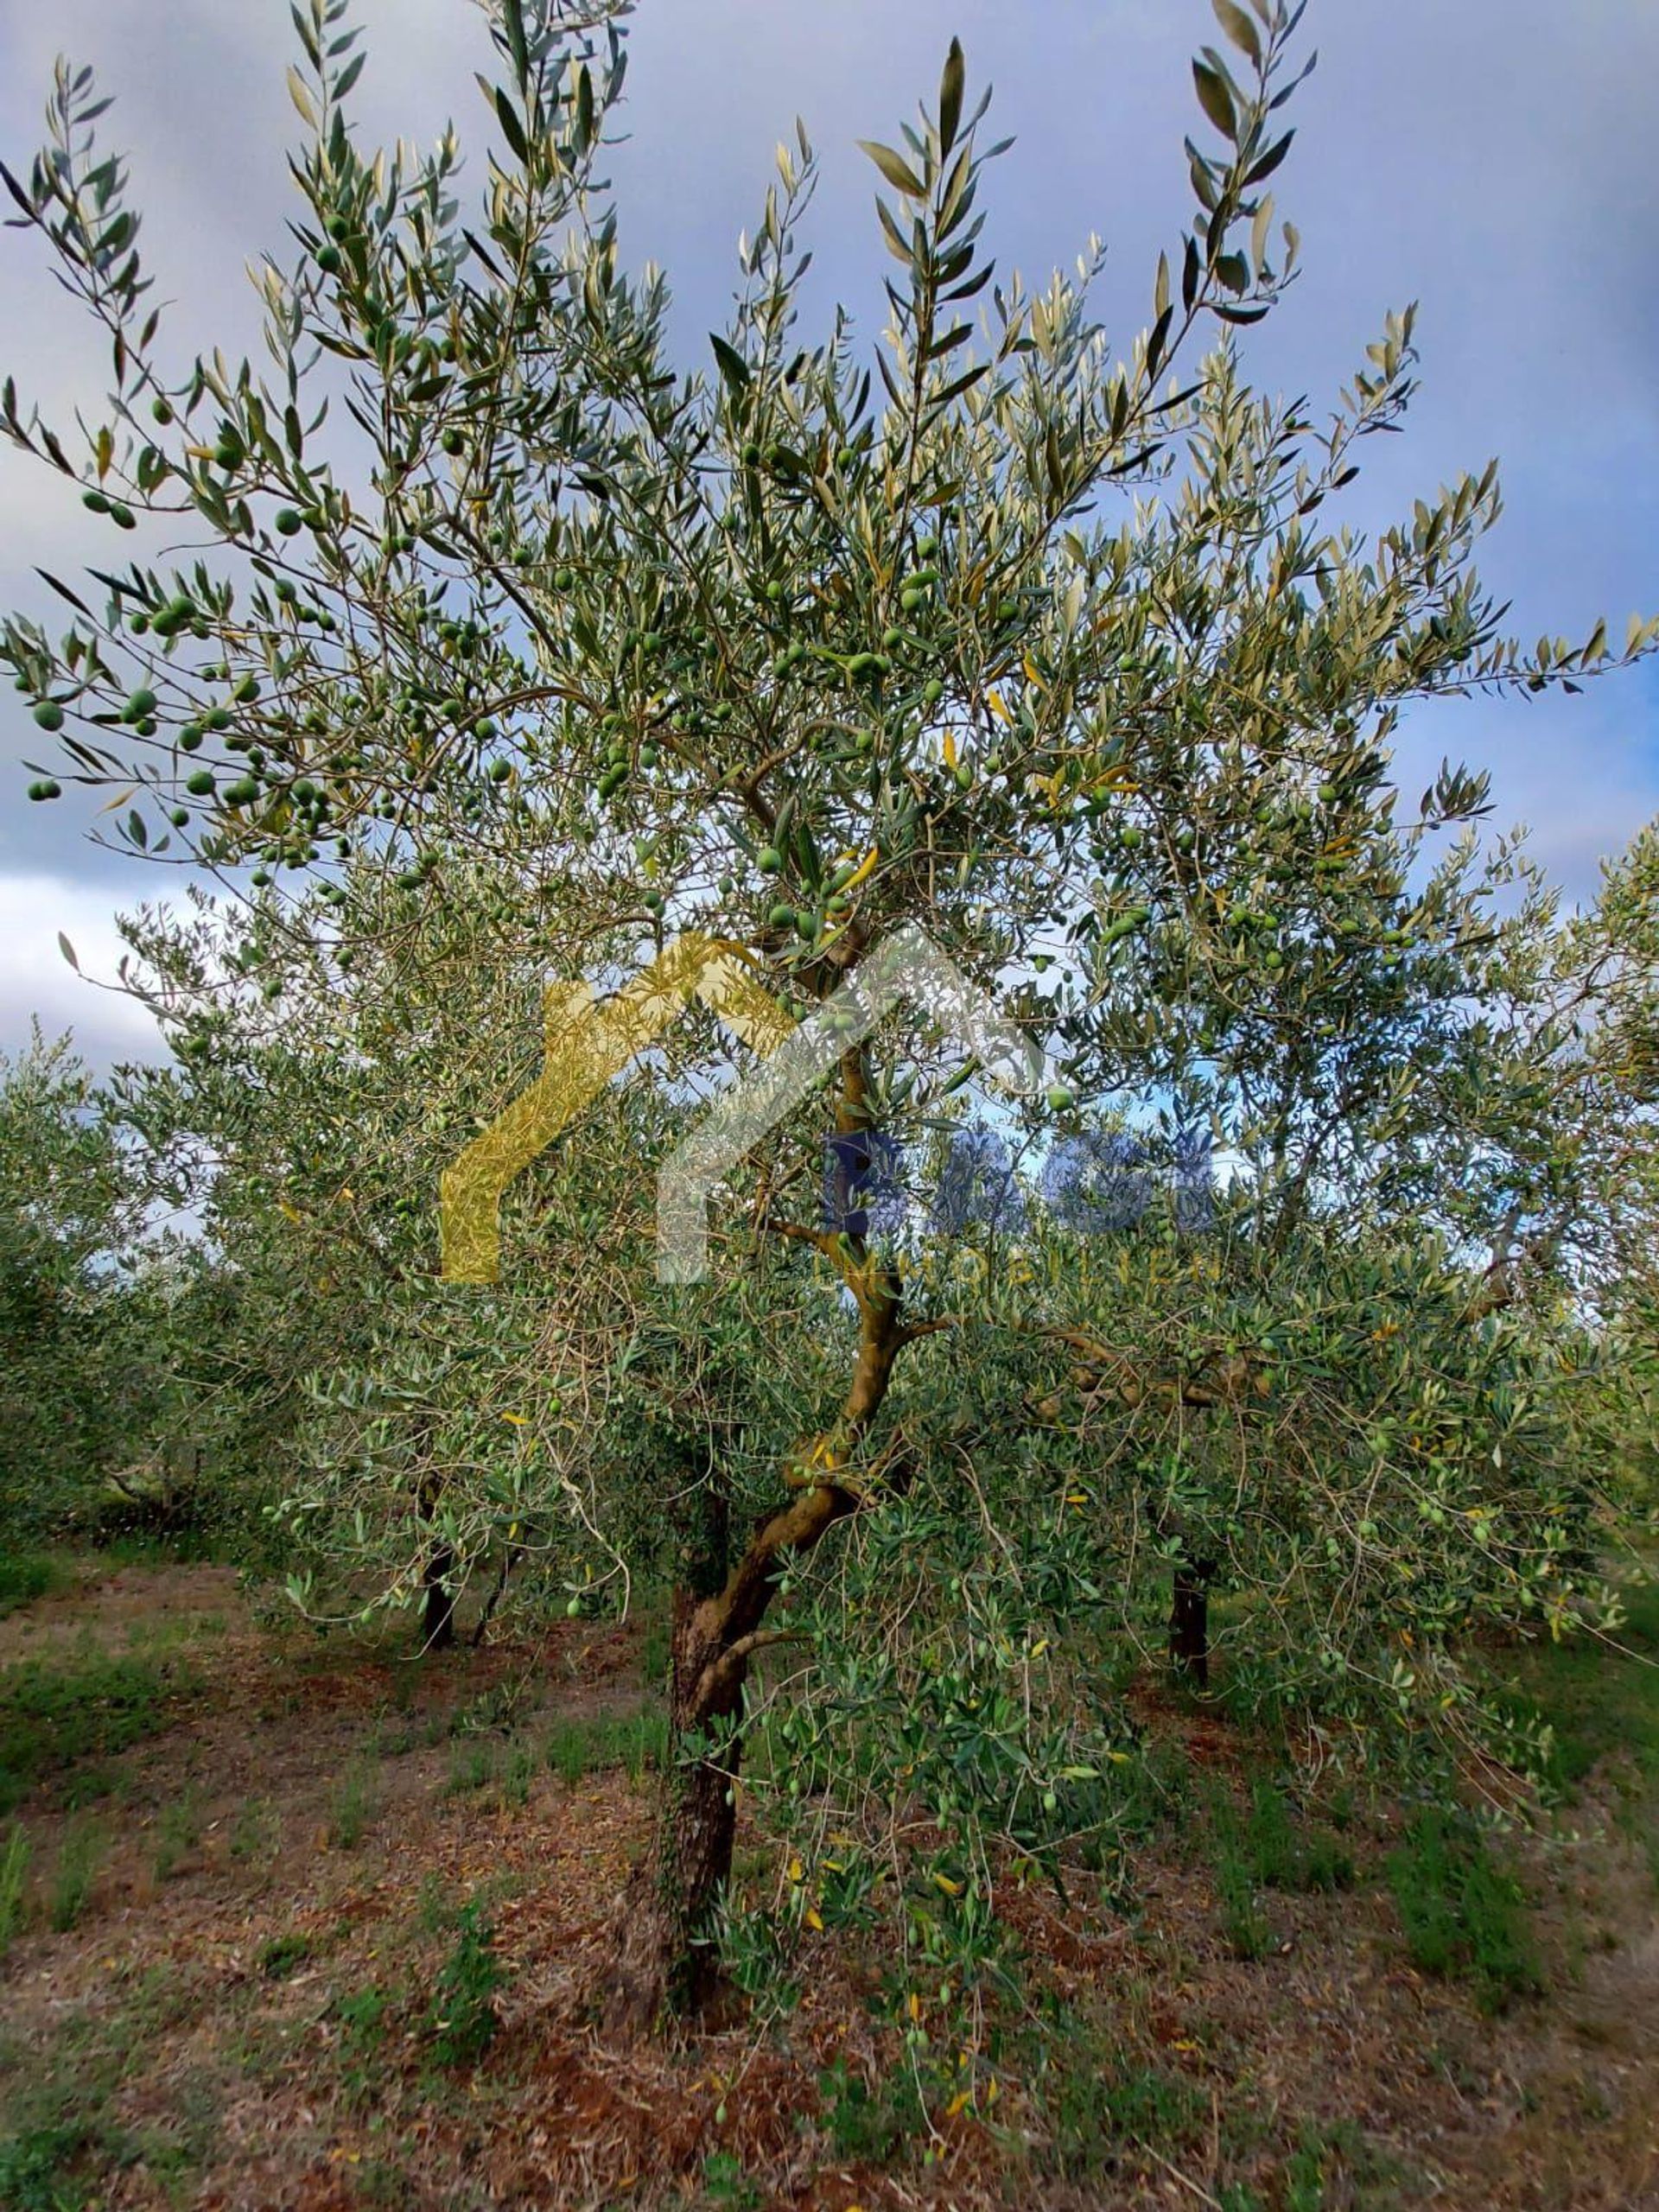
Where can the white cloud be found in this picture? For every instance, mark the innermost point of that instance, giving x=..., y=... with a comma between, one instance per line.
x=37, y=981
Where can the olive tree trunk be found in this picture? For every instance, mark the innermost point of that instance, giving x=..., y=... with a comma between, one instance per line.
x=664, y=1950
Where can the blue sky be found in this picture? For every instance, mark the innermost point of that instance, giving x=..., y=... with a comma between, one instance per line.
x=1488, y=158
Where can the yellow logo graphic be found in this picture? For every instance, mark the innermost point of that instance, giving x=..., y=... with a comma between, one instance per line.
x=585, y=1047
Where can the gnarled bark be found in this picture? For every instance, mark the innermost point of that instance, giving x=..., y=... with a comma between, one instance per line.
x=664, y=1950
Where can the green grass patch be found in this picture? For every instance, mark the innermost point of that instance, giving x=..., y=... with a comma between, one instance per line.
x=53, y=1715
x=177, y=1833
x=868, y=2121
x=80, y=1857
x=638, y=1741
x=1463, y=1914
x=13, y=1874
x=1100, y=2103
x=462, y=2020
x=25, y=1576
x=1267, y=1846
x=1601, y=1702
x=356, y=1802
x=472, y=1766
x=61, y=2149
x=283, y=1955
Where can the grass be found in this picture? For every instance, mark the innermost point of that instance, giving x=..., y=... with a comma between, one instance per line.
x=356, y=1802
x=462, y=2020
x=1266, y=1849
x=53, y=1718
x=283, y=1955
x=1604, y=1706
x=80, y=1857
x=515, y=1782
x=61, y=2146
x=1100, y=2100
x=867, y=2121
x=1337, y=2166
x=1462, y=1914
x=177, y=1832
x=13, y=1873
x=472, y=1766
x=638, y=1741
x=363, y=2026
x=25, y=1576
x=254, y=1830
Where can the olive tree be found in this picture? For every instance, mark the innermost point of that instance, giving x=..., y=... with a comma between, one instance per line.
x=790, y=649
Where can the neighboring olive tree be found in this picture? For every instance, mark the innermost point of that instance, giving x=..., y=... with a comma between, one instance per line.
x=80, y=1282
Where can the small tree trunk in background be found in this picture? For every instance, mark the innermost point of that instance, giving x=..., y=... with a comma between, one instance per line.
x=438, y=1615
x=1189, y=1621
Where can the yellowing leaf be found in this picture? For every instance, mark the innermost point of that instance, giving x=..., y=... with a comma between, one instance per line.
x=951, y=1889
x=814, y=1920
x=862, y=870
x=795, y=1870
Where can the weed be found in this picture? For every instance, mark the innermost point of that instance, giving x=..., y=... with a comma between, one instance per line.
x=51, y=1718
x=495, y=1708
x=436, y=1912
x=1462, y=1914
x=1242, y=1917
x=515, y=1784
x=1285, y=1856
x=253, y=1830
x=355, y=1804
x=280, y=1956
x=726, y=2186
x=462, y=2020
x=1099, y=2098
x=1602, y=1706
x=25, y=1576
x=179, y=1832
x=80, y=1857
x=655, y=1648
x=1268, y=1850
x=868, y=2122
x=638, y=1741
x=46, y=2169
x=362, y=2017
x=472, y=1766
x=14, y=1872
x=1332, y=2165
